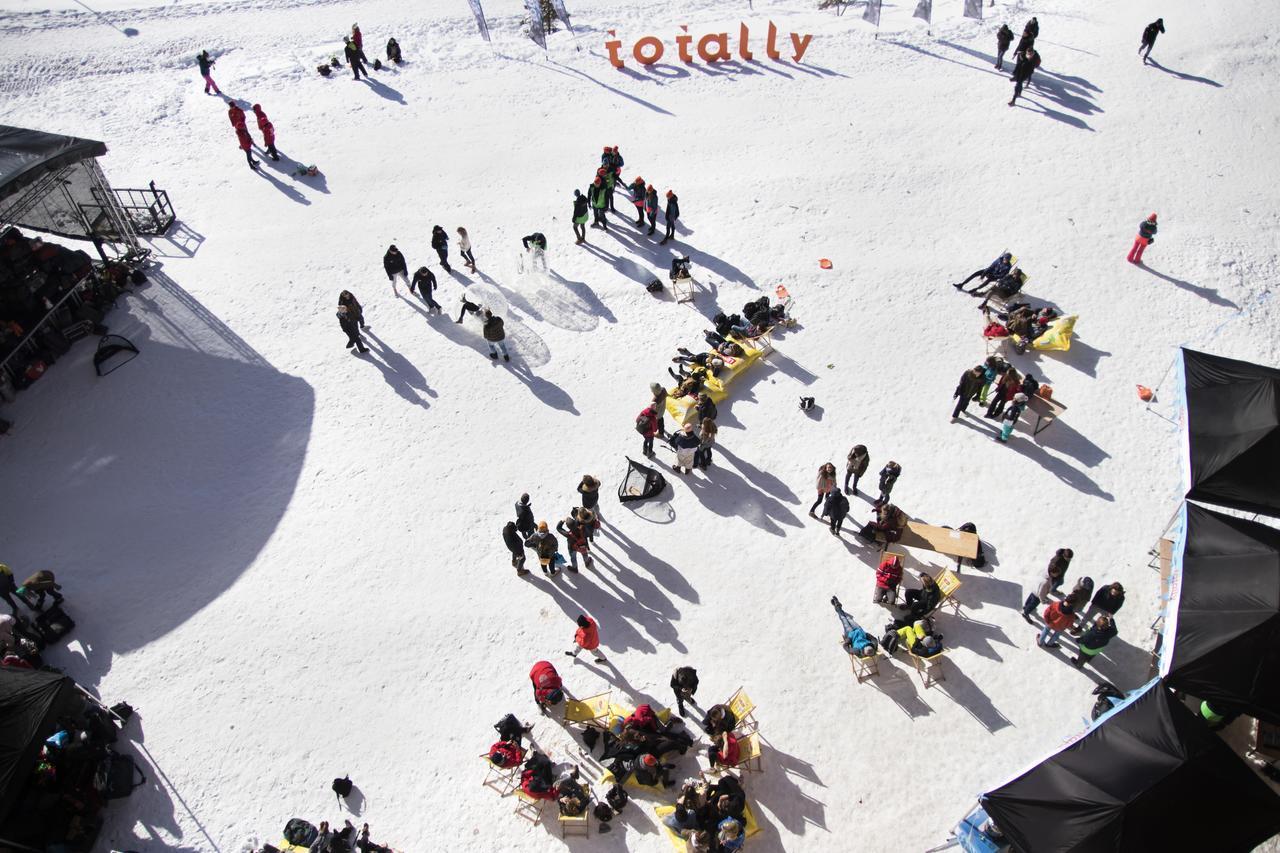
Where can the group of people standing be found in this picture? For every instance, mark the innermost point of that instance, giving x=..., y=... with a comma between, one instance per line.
x=599, y=199
x=265, y=127
x=1086, y=615
x=578, y=528
x=1026, y=59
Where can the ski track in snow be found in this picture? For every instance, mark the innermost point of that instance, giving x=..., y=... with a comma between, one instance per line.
x=289, y=559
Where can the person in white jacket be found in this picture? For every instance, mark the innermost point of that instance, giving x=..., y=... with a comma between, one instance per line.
x=464, y=247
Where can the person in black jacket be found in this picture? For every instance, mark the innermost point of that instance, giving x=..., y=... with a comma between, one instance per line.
x=524, y=516
x=536, y=245
x=206, y=69
x=888, y=478
x=1149, y=34
x=349, y=325
x=672, y=214
x=494, y=335
x=393, y=51
x=1028, y=62
x=836, y=508
x=684, y=681
x=511, y=537
x=1003, y=39
x=970, y=384
x=921, y=602
x=1029, y=35
x=440, y=242
x=581, y=210
x=354, y=59
x=424, y=281
x=396, y=266
x=354, y=309
x=1095, y=640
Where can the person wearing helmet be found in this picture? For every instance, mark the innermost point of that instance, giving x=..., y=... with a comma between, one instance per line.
x=1146, y=236
x=672, y=214
x=651, y=207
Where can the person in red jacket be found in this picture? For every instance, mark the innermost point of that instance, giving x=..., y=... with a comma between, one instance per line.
x=647, y=426
x=888, y=576
x=724, y=750
x=236, y=115
x=586, y=638
x=246, y=145
x=548, y=689
x=1058, y=617
x=268, y=131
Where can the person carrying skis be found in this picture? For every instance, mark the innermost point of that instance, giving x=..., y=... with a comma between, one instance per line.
x=586, y=638
x=637, y=199
x=424, y=281
x=397, y=268
x=651, y=207
x=1028, y=62
x=494, y=335
x=994, y=271
x=968, y=387
x=206, y=69
x=1146, y=236
x=1003, y=39
x=672, y=213
x=856, y=466
x=647, y=426
x=524, y=516
x=1149, y=34
x=268, y=131
x=440, y=242
x=352, y=328
x=354, y=57
x=511, y=538
x=548, y=689
x=246, y=145
x=581, y=206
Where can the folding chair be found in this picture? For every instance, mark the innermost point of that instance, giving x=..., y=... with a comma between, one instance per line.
x=682, y=288
x=743, y=708
x=504, y=780
x=863, y=667
x=948, y=585
x=749, y=824
x=678, y=844
x=929, y=669
x=588, y=712
x=577, y=824
x=529, y=808
x=750, y=758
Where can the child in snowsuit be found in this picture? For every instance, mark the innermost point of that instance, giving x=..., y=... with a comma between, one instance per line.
x=856, y=467
x=1146, y=236
x=511, y=538
x=206, y=69
x=826, y=484
x=1011, y=416
x=236, y=115
x=268, y=131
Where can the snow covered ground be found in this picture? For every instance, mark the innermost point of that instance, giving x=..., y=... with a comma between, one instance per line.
x=288, y=558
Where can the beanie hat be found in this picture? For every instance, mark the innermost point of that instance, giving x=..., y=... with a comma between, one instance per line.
x=648, y=760
x=555, y=697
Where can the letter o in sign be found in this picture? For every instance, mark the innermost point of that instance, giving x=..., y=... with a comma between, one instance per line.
x=648, y=50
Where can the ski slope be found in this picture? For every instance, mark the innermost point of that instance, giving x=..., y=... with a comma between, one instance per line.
x=288, y=558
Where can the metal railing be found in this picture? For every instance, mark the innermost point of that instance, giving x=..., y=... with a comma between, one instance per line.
x=12, y=364
x=149, y=211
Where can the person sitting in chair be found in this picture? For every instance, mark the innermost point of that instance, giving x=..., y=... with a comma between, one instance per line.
x=650, y=771
x=888, y=523
x=1005, y=288
x=856, y=640
x=719, y=718
x=538, y=778
x=928, y=642
x=572, y=797
x=679, y=268
x=921, y=602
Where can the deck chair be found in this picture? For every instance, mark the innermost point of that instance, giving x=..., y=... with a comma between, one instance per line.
x=864, y=668
x=529, y=808
x=750, y=826
x=949, y=584
x=608, y=780
x=678, y=843
x=577, y=824
x=504, y=780
x=591, y=711
x=744, y=709
x=750, y=758
x=929, y=669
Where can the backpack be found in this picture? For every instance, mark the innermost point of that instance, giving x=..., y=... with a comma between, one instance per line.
x=115, y=777
x=300, y=833
x=889, y=642
x=616, y=798
x=642, y=425
x=53, y=624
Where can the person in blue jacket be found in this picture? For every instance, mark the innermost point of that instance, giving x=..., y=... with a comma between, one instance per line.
x=994, y=271
x=856, y=640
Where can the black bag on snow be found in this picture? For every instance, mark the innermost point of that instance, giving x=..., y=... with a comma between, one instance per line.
x=616, y=798
x=889, y=642
x=300, y=833
x=54, y=624
x=118, y=776
x=342, y=787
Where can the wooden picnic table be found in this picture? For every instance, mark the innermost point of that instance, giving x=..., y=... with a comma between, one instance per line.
x=1046, y=410
x=943, y=540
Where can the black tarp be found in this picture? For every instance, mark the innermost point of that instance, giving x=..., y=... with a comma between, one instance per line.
x=1226, y=635
x=1151, y=777
x=26, y=154
x=30, y=703
x=1233, y=426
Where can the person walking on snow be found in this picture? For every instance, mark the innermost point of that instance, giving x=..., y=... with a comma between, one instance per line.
x=1029, y=35
x=1146, y=236
x=246, y=145
x=1028, y=62
x=494, y=335
x=651, y=207
x=464, y=249
x=856, y=466
x=235, y=114
x=424, y=281
x=581, y=206
x=397, y=268
x=511, y=538
x=353, y=55
x=1003, y=39
x=586, y=638
x=672, y=214
x=206, y=69
x=354, y=308
x=684, y=683
x=524, y=516
x=268, y=131
x=352, y=328
x=1149, y=34
x=638, y=191
x=968, y=387
x=826, y=485
x=440, y=242
x=836, y=508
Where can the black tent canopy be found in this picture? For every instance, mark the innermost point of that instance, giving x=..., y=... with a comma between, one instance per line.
x=1226, y=634
x=1233, y=427
x=1150, y=777
x=31, y=702
x=26, y=155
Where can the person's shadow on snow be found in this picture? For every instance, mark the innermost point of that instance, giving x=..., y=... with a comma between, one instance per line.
x=399, y=373
x=385, y=91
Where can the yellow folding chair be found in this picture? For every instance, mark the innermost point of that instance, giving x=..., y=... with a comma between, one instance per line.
x=864, y=668
x=504, y=780
x=677, y=842
x=749, y=824
x=929, y=669
x=742, y=707
x=948, y=584
x=588, y=712
x=529, y=808
x=577, y=824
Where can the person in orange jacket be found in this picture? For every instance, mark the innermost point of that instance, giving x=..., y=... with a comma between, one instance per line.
x=586, y=638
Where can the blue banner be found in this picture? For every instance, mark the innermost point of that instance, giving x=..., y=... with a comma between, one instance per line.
x=480, y=21
x=536, y=31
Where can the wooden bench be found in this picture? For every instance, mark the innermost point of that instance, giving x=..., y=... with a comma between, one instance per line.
x=943, y=540
x=1046, y=410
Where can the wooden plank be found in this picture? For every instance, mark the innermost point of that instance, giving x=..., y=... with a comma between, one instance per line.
x=943, y=540
x=1047, y=411
x=1164, y=550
